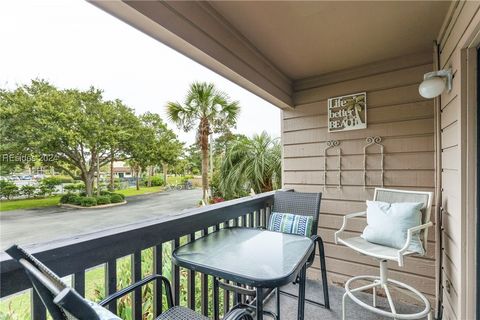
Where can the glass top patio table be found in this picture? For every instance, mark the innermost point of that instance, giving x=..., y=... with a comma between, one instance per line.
x=254, y=257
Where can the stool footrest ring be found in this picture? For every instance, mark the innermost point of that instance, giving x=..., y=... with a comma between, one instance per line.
x=376, y=283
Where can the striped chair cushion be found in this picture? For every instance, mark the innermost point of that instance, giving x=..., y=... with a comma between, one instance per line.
x=291, y=223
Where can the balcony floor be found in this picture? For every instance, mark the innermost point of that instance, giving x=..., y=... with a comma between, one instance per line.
x=313, y=312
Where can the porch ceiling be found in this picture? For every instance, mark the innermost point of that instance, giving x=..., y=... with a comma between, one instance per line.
x=266, y=47
x=305, y=39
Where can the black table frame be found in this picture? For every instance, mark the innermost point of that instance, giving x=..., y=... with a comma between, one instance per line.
x=300, y=271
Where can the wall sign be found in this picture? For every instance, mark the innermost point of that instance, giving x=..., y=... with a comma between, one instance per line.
x=347, y=112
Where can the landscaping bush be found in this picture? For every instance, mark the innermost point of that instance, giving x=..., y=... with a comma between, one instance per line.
x=77, y=200
x=28, y=190
x=73, y=187
x=105, y=193
x=53, y=181
x=119, y=194
x=68, y=198
x=103, y=200
x=116, y=198
x=156, y=181
x=63, y=179
x=88, y=202
x=44, y=190
x=8, y=189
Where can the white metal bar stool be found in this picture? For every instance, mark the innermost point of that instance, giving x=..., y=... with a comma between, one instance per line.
x=385, y=253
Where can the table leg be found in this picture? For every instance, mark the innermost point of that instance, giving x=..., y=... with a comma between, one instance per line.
x=301, y=293
x=259, y=303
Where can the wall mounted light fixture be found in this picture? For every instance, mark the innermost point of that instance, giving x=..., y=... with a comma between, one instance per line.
x=434, y=83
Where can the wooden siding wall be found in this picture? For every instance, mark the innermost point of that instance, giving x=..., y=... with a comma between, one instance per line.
x=404, y=121
x=462, y=17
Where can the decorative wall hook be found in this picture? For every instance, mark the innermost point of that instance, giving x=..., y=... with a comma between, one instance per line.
x=372, y=141
x=332, y=144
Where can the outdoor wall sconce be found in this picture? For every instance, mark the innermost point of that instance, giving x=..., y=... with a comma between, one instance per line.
x=434, y=83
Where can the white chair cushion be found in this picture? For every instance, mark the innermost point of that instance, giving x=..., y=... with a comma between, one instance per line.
x=388, y=224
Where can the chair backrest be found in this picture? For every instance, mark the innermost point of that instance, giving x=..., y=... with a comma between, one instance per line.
x=300, y=203
x=49, y=286
x=395, y=196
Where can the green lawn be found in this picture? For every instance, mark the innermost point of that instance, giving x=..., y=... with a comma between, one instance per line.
x=8, y=205
x=134, y=192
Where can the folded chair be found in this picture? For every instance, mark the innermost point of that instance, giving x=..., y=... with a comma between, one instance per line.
x=304, y=204
x=384, y=253
x=64, y=303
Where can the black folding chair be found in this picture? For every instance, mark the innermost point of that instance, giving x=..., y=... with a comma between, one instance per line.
x=298, y=203
x=64, y=303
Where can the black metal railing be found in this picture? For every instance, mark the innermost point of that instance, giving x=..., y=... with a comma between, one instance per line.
x=75, y=255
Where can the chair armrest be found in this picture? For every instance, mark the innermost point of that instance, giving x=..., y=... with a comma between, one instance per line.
x=130, y=288
x=344, y=225
x=410, y=233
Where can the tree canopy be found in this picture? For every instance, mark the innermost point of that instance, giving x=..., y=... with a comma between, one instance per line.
x=208, y=110
x=250, y=164
x=78, y=131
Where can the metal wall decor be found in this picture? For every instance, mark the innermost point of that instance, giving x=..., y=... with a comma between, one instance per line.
x=332, y=144
x=347, y=112
x=372, y=141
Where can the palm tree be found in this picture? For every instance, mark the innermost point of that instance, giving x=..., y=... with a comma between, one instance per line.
x=251, y=164
x=356, y=103
x=209, y=111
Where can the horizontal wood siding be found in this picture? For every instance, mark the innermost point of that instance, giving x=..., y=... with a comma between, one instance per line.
x=404, y=120
x=453, y=154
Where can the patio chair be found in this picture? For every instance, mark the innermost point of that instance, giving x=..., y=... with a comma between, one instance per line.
x=384, y=253
x=305, y=204
x=64, y=303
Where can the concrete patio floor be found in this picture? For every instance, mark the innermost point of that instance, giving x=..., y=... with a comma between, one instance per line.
x=313, y=312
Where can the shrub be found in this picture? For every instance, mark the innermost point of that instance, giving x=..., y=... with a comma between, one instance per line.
x=63, y=179
x=116, y=198
x=53, y=181
x=103, y=200
x=28, y=191
x=77, y=200
x=119, y=194
x=44, y=190
x=8, y=189
x=88, y=202
x=75, y=187
x=157, y=181
x=105, y=193
x=68, y=198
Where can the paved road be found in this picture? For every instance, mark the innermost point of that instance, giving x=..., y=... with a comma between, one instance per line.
x=43, y=224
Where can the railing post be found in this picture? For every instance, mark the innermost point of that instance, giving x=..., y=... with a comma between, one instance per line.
x=216, y=307
x=204, y=286
x=38, y=309
x=78, y=281
x=158, y=290
x=176, y=276
x=111, y=282
x=191, y=281
x=137, y=276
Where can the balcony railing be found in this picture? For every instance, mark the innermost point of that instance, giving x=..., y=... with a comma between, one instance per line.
x=75, y=255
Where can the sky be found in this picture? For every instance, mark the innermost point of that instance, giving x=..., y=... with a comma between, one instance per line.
x=73, y=44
